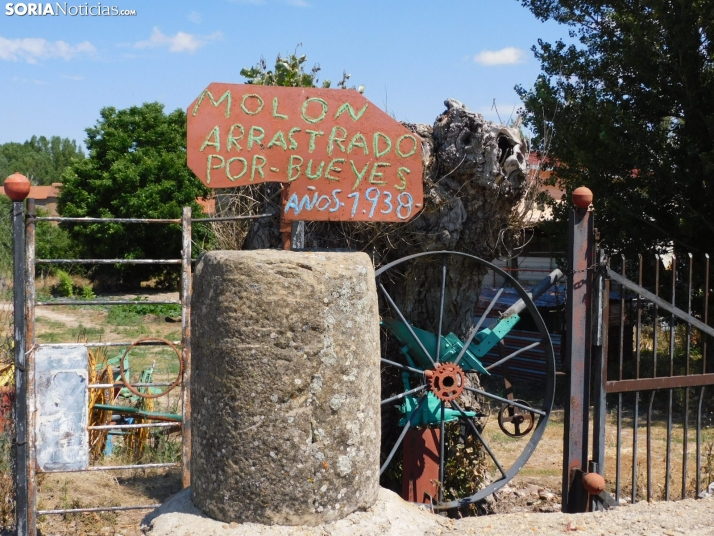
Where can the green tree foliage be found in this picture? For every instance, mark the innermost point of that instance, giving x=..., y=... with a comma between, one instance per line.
x=52, y=242
x=628, y=110
x=289, y=71
x=136, y=169
x=40, y=159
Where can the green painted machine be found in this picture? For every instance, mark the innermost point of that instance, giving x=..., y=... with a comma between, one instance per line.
x=451, y=348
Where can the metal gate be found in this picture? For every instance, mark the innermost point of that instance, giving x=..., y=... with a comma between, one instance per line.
x=674, y=385
x=616, y=329
x=29, y=397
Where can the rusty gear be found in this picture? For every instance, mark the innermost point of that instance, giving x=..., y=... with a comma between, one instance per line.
x=447, y=381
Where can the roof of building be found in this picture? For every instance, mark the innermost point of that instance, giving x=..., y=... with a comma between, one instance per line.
x=42, y=193
x=208, y=205
x=45, y=192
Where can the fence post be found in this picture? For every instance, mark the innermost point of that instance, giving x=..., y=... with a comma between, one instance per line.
x=17, y=187
x=186, y=291
x=578, y=316
x=30, y=367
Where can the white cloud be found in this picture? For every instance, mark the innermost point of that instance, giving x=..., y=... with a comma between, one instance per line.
x=505, y=56
x=71, y=77
x=298, y=3
x=27, y=81
x=181, y=42
x=195, y=17
x=32, y=49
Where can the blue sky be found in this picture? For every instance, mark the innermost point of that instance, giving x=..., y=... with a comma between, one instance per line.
x=57, y=72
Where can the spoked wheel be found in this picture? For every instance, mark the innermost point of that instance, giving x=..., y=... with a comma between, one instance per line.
x=453, y=350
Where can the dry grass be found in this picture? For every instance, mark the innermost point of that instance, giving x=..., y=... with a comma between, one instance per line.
x=7, y=486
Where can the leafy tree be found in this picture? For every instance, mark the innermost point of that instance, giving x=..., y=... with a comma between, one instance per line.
x=136, y=169
x=289, y=72
x=52, y=242
x=628, y=110
x=40, y=159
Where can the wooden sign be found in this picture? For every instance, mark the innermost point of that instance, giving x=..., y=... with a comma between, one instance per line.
x=343, y=159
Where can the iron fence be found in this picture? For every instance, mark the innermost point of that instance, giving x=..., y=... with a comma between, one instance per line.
x=27, y=348
x=654, y=374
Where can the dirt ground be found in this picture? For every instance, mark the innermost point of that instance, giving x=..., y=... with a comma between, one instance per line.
x=534, y=489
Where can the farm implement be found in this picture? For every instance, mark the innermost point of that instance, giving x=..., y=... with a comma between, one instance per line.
x=438, y=389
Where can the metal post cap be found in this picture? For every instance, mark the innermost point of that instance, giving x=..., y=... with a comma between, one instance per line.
x=17, y=186
x=582, y=197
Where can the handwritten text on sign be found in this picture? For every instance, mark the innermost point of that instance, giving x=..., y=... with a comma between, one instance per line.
x=343, y=158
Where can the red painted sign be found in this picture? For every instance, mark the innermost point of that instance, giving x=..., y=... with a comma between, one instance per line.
x=342, y=158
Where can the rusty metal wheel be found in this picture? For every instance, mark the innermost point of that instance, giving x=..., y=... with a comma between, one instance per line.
x=148, y=394
x=521, y=420
x=444, y=353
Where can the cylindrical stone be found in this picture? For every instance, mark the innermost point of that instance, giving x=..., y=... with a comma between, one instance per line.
x=285, y=386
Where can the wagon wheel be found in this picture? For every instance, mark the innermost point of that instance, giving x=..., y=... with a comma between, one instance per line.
x=427, y=385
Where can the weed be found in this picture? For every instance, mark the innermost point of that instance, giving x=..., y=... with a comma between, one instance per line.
x=88, y=293
x=7, y=487
x=130, y=315
x=465, y=471
x=64, y=286
x=50, y=324
x=163, y=449
x=709, y=463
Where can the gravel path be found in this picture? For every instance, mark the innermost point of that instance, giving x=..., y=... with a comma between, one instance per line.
x=391, y=516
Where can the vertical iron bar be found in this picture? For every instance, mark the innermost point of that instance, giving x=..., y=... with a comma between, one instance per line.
x=30, y=364
x=636, y=415
x=699, y=444
x=706, y=315
x=599, y=356
x=621, y=350
x=670, y=392
x=649, y=447
x=685, y=438
x=442, y=441
x=652, y=394
x=441, y=311
x=594, y=505
x=186, y=290
x=656, y=318
x=21, y=406
x=578, y=314
x=704, y=371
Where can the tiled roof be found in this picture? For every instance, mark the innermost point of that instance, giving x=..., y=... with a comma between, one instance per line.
x=45, y=192
x=208, y=205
